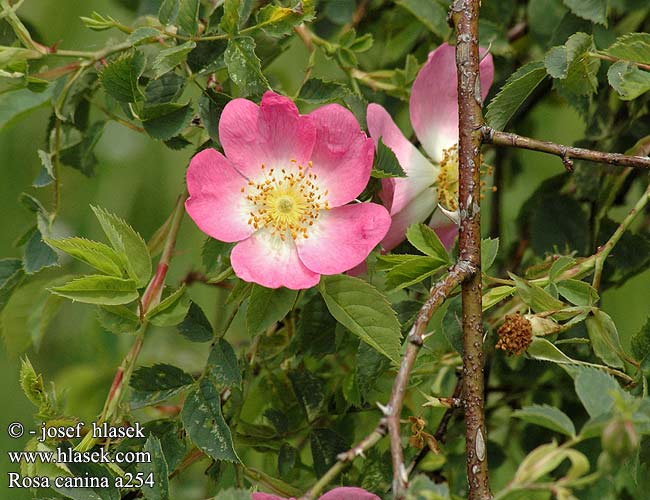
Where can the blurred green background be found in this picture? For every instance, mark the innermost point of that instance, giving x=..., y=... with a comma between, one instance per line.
x=139, y=179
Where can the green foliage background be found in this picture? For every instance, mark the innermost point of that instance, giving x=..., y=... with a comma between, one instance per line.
x=139, y=179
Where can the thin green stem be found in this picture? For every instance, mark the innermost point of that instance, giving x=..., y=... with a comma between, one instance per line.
x=606, y=249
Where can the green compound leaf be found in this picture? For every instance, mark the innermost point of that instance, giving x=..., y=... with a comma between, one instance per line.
x=591, y=10
x=518, y=88
x=386, y=163
x=153, y=384
x=412, y=271
x=120, y=77
x=95, y=254
x=548, y=417
x=604, y=338
x=165, y=121
x=195, y=326
x=128, y=244
x=171, y=310
x=184, y=13
x=573, y=66
x=157, y=467
x=98, y=289
x=363, y=310
x=267, y=306
x=204, y=423
x=168, y=59
x=632, y=47
x=317, y=91
x=244, y=66
x=426, y=241
x=430, y=13
x=37, y=255
x=223, y=367
x=628, y=80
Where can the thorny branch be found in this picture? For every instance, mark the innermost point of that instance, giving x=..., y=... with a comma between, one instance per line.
x=464, y=14
x=566, y=153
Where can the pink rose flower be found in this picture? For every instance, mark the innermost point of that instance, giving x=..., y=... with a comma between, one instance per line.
x=282, y=191
x=433, y=108
x=344, y=493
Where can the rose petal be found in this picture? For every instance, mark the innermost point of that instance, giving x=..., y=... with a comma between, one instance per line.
x=342, y=156
x=343, y=237
x=416, y=211
x=267, y=496
x=268, y=261
x=272, y=134
x=399, y=192
x=434, y=99
x=216, y=203
x=348, y=493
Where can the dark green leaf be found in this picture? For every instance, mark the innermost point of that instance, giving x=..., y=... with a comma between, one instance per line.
x=317, y=91
x=518, y=88
x=386, y=163
x=37, y=255
x=430, y=13
x=628, y=80
x=222, y=365
x=204, y=423
x=244, y=66
x=120, y=77
x=128, y=244
x=167, y=88
x=309, y=390
x=46, y=174
x=369, y=367
x=325, y=446
x=154, y=384
x=184, y=13
x=315, y=334
x=98, y=289
x=550, y=228
x=164, y=121
x=211, y=104
x=143, y=33
x=11, y=274
x=547, y=416
x=363, y=310
x=267, y=306
x=286, y=459
x=158, y=469
x=81, y=156
x=536, y=297
x=196, y=326
x=591, y=10
x=168, y=59
x=640, y=342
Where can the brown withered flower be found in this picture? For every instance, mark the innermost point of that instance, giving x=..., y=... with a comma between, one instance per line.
x=420, y=437
x=515, y=335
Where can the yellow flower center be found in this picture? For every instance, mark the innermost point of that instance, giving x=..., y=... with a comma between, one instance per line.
x=447, y=183
x=286, y=200
x=448, y=179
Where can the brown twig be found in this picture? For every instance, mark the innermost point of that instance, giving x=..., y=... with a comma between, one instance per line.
x=566, y=153
x=465, y=14
x=439, y=292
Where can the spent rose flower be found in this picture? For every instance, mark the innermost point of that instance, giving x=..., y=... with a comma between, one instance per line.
x=433, y=109
x=343, y=493
x=283, y=192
